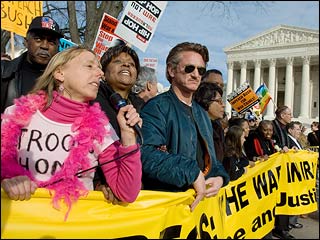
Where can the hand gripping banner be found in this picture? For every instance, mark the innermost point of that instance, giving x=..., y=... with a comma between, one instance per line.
x=245, y=208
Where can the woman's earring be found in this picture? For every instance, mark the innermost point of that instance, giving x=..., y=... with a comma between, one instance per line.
x=61, y=88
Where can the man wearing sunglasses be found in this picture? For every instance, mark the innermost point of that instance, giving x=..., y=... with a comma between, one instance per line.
x=178, y=151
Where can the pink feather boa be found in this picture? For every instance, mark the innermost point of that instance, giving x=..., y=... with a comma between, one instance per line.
x=65, y=185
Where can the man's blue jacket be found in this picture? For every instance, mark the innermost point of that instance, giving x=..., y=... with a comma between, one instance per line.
x=169, y=150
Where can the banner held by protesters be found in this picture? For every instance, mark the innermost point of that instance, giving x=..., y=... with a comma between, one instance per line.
x=245, y=208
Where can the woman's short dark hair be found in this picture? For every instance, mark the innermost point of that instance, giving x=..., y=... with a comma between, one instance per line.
x=205, y=93
x=116, y=51
x=262, y=124
x=236, y=121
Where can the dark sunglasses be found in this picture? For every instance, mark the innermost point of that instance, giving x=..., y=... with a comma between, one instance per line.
x=191, y=68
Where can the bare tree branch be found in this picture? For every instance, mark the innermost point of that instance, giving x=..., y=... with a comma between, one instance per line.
x=81, y=19
x=73, y=24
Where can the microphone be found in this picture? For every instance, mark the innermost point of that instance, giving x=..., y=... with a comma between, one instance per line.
x=118, y=102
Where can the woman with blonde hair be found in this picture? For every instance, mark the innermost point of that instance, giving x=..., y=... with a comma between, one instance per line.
x=54, y=137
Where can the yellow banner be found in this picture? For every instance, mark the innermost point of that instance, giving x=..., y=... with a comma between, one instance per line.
x=245, y=208
x=284, y=184
x=16, y=16
x=252, y=198
x=297, y=188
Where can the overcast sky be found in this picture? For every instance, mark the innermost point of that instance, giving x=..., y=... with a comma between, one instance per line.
x=207, y=23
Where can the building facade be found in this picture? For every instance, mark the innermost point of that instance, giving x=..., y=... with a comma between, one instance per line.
x=286, y=59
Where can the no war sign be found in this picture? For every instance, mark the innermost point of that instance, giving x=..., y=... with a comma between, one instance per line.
x=245, y=208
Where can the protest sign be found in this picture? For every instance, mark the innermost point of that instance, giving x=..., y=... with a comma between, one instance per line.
x=242, y=98
x=64, y=44
x=106, y=37
x=150, y=62
x=139, y=21
x=16, y=16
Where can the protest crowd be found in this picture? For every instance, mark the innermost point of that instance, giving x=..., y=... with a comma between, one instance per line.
x=107, y=107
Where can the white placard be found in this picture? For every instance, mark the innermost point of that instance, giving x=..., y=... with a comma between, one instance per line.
x=139, y=21
x=105, y=37
x=150, y=62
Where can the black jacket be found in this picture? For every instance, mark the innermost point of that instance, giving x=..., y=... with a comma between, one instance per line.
x=313, y=138
x=256, y=145
x=103, y=98
x=234, y=166
x=293, y=143
x=218, y=139
x=14, y=83
x=280, y=134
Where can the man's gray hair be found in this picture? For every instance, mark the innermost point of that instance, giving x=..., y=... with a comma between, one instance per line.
x=146, y=74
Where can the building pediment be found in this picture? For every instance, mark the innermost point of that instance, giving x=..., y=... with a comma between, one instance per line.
x=279, y=36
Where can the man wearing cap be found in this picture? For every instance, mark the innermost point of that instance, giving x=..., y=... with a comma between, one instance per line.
x=19, y=75
x=253, y=121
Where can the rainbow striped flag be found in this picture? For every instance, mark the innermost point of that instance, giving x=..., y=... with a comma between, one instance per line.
x=264, y=97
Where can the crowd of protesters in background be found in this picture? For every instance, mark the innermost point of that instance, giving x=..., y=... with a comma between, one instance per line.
x=186, y=138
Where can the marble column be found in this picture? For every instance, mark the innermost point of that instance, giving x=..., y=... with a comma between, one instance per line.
x=229, y=87
x=288, y=93
x=272, y=83
x=305, y=86
x=243, y=75
x=236, y=79
x=257, y=74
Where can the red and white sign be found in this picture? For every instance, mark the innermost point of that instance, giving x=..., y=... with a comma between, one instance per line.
x=150, y=62
x=106, y=37
x=139, y=21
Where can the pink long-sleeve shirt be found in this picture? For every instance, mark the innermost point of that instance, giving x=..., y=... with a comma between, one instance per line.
x=43, y=147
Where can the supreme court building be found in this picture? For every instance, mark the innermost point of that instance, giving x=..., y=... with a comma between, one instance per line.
x=286, y=59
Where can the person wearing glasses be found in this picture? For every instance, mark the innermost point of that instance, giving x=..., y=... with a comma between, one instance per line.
x=178, y=151
x=209, y=96
x=253, y=122
x=280, y=135
x=146, y=85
